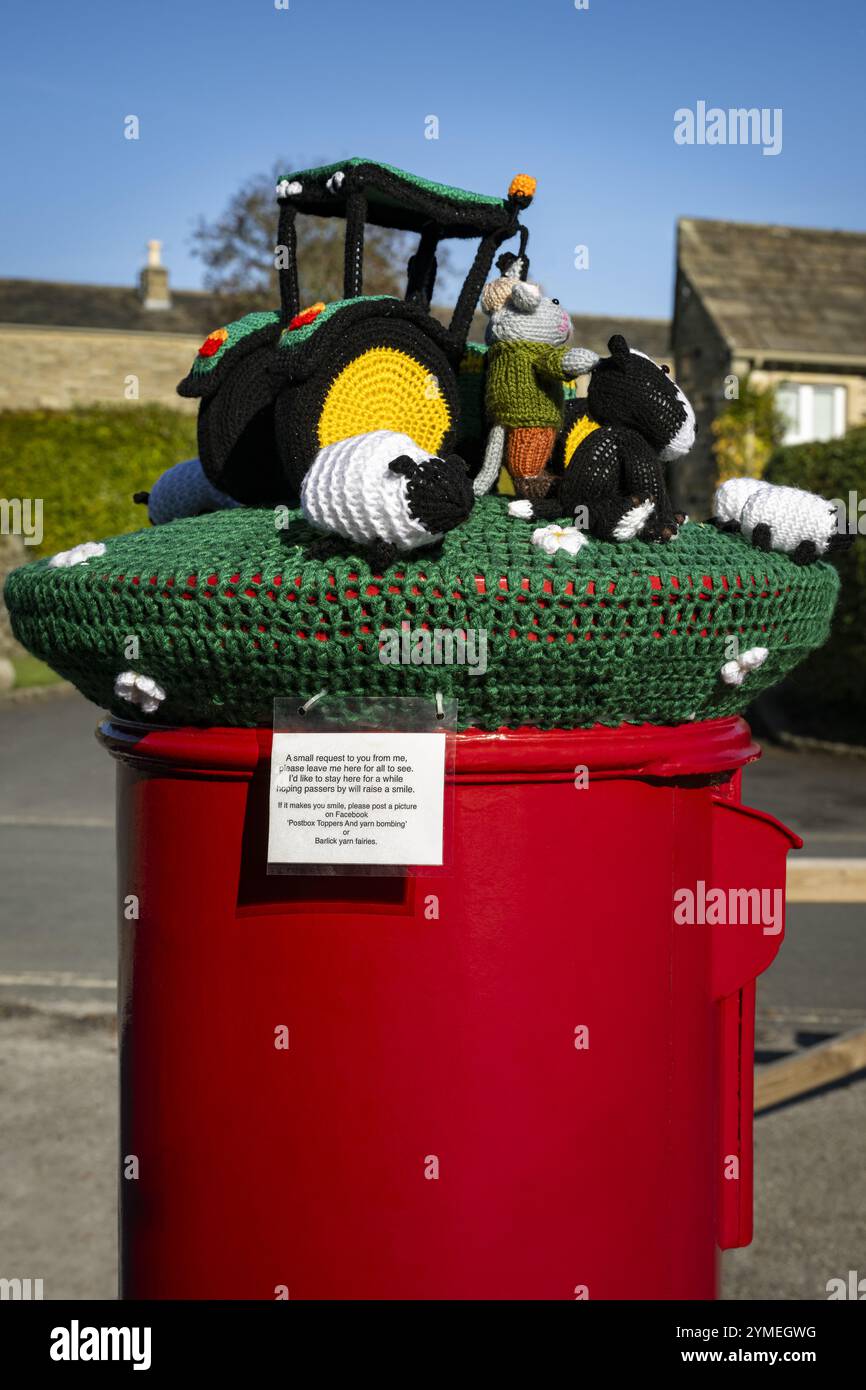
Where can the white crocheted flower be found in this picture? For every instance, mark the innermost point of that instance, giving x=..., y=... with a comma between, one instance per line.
x=88, y=550
x=335, y=182
x=553, y=538
x=139, y=690
x=735, y=672
x=288, y=188
x=521, y=508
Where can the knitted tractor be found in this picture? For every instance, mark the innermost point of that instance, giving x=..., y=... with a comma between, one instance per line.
x=379, y=489
x=278, y=386
x=799, y=523
x=231, y=611
x=526, y=366
x=634, y=419
x=383, y=488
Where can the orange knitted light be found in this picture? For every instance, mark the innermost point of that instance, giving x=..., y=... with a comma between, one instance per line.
x=522, y=186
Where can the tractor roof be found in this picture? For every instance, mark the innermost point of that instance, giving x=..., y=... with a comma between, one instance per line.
x=401, y=200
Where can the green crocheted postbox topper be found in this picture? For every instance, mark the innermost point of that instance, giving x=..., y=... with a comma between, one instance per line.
x=231, y=610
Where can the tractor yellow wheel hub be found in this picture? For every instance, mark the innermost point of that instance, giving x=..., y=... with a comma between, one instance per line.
x=385, y=389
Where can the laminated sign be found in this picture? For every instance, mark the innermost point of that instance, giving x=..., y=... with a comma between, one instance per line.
x=344, y=793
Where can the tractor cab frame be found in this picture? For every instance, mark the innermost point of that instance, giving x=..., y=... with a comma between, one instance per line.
x=367, y=194
x=276, y=387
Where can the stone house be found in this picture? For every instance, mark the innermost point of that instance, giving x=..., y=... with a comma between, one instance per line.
x=652, y=336
x=785, y=305
x=63, y=345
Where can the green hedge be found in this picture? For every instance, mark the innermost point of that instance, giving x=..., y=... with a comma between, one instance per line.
x=86, y=464
x=827, y=699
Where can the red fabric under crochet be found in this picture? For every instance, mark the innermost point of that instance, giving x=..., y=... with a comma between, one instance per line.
x=675, y=611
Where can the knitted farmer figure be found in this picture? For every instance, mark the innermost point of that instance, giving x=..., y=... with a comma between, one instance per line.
x=527, y=363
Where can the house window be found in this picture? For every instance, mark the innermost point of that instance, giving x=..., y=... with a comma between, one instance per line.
x=811, y=412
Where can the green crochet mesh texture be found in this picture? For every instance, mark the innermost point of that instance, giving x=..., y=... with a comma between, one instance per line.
x=230, y=611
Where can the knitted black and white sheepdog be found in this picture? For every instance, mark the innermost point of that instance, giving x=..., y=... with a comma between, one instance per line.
x=633, y=420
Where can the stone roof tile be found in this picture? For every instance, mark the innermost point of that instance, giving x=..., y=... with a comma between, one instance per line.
x=788, y=289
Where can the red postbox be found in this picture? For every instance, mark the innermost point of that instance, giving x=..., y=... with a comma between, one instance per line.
x=522, y=1079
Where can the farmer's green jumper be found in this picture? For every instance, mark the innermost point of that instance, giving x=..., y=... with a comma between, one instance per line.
x=524, y=385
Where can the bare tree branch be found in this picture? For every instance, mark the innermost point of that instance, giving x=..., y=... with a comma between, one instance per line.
x=237, y=250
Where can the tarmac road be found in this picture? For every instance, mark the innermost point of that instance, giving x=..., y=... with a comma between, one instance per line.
x=58, y=1056
x=57, y=907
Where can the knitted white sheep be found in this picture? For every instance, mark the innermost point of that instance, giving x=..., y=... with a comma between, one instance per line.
x=384, y=491
x=799, y=523
x=772, y=517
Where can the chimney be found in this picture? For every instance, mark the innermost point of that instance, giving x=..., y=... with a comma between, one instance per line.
x=153, y=280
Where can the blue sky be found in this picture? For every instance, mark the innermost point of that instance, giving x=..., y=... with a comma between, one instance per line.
x=582, y=99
